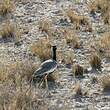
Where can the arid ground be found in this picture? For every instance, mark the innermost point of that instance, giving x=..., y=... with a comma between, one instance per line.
x=81, y=31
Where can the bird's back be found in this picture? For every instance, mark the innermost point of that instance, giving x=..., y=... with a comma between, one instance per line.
x=46, y=67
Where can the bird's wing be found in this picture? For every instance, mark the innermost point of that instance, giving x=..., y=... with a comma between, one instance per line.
x=49, y=63
x=40, y=72
x=46, y=67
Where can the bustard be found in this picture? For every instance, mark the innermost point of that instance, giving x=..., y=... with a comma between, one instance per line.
x=46, y=68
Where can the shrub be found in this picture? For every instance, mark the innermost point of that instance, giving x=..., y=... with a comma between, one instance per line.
x=104, y=44
x=77, y=19
x=9, y=32
x=103, y=7
x=78, y=70
x=95, y=62
x=42, y=48
x=6, y=7
x=45, y=26
x=105, y=82
x=71, y=38
x=77, y=89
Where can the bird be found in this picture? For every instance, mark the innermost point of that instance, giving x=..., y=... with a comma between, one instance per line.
x=46, y=68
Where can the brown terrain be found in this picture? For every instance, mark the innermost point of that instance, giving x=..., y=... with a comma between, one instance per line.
x=81, y=31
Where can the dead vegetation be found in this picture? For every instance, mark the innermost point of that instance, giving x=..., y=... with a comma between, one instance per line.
x=42, y=48
x=9, y=32
x=104, y=41
x=78, y=89
x=95, y=62
x=22, y=100
x=101, y=6
x=105, y=82
x=15, y=78
x=6, y=7
x=77, y=70
x=102, y=46
x=16, y=92
x=71, y=38
x=19, y=69
x=26, y=100
x=78, y=19
x=65, y=57
x=45, y=26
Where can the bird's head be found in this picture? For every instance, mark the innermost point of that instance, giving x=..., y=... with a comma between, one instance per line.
x=54, y=47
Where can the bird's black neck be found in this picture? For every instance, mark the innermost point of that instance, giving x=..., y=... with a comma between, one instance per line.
x=54, y=54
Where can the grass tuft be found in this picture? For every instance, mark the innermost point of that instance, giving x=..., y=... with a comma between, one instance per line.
x=77, y=89
x=77, y=19
x=45, y=26
x=71, y=38
x=103, y=45
x=16, y=92
x=101, y=6
x=105, y=82
x=42, y=48
x=78, y=70
x=6, y=7
x=95, y=62
x=9, y=32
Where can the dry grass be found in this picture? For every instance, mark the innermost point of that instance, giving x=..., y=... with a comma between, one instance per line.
x=103, y=7
x=3, y=73
x=9, y=32
x=65, y=57
x=17, y=70
x=77, y=70
x=95, y=61
x=22, y=100
x=6, y=7
x=42, y=48
x=104, y=41
x=45, y=26
x=71, y=38
x=77, y=19
x=77, y=89
x=16, y=92
x=94, y=80
x=68, y=57
x=26, y=100
x=105, y=82
x=103, y=45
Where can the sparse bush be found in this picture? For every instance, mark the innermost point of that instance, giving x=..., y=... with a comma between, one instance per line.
x=78, y=70
x=95, y=62
x=103, y=7
x=3, y=73
x=94, y=79
x=105, y=82
x=104, y=41
x=9, y=32
x=77, y=19
x=71, y=38
x=104, y=45
x=16, y=92
x=42, y=48
x=6, y=7
x=45, y=26
x=66, y=57
x=77, y=89
x=25, y=100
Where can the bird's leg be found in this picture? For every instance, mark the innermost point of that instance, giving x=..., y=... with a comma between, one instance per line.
x=46, y=81
x=41, y=82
